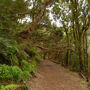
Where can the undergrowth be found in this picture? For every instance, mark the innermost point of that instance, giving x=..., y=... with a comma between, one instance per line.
x=16, y=64
x=10, y=86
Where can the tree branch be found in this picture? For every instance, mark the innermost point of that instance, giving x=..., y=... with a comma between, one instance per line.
x=36, y=19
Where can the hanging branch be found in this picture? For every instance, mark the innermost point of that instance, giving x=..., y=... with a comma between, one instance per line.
x=36, y=19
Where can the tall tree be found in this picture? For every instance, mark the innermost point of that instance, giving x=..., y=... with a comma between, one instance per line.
x=74, y=14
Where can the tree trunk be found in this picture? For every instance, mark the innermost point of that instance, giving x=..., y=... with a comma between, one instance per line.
x=36, y=20
x=86, y=52
x=80, y=54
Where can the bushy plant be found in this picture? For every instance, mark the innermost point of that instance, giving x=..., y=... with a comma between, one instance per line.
x=26, y=75
x=29, y=67
x=33, y=65
x=4, y=73
x=13, y=73
x=16, y=72
x=8, y=51
x=25, y=66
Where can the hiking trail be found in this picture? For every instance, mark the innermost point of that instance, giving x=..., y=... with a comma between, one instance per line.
x=51, y=76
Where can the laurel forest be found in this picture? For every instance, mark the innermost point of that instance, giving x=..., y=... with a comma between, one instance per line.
x=32, y=31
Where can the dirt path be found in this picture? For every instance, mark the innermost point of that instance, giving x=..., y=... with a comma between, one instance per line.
x=51, y=76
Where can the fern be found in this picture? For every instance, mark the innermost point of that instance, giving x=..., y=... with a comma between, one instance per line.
x=12, y=73
x=29, y=67
x=10, y=86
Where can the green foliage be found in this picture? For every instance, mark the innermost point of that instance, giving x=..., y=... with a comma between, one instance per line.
x=11, y=53
x=74, y=18
x=8, y=51
x=25, y=66
x=12, y=73
x=75, y=62
x=37, y=58
x=26, y=87
x=26, y=75
x=32, y=50
x=34, y=65
x=29, y=67
x=11, y=11
x=10, y=87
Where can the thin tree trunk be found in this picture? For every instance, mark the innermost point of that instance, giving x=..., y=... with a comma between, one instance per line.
x=80, y=55
x=86, y=52
x=67, y=53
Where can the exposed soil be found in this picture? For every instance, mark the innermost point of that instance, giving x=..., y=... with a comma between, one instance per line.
x=51, y=76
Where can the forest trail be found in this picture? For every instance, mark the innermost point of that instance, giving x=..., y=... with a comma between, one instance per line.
x=51, y=76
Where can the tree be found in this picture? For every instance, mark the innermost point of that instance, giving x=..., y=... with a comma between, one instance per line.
x=36, y=19
x=80, y=19
x=10, y=15
x=74, y=16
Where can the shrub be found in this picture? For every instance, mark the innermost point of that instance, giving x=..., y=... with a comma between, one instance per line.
x=5, y=73
x=16, y=72
x=8, y=51
x=29, y=67
x=12, y=73
x=33, y=65
x=25, y=66
x=11, y=52
x=26, y=75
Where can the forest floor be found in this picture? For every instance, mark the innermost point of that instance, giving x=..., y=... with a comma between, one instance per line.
x=51, y=76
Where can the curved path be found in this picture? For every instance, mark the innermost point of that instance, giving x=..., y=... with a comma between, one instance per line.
x=51, y=76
